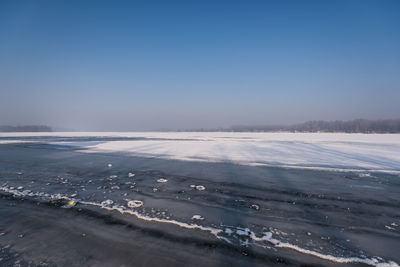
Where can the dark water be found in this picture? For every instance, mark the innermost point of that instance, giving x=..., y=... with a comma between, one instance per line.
x=253, y=216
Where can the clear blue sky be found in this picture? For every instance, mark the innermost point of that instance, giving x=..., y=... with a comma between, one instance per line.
x=139, y=65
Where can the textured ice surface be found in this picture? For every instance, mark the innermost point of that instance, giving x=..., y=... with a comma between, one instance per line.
x=239, y=232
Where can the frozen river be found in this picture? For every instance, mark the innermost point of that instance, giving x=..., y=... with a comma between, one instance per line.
x=199, y=199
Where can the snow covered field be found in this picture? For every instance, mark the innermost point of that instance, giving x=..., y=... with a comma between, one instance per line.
x=377, y=152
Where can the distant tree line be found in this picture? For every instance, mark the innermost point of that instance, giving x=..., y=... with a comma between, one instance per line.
x=25, y=128
x=353, y=126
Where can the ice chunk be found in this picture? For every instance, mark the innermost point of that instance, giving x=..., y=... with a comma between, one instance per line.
x=243, y=231
x=255, y=206
x=130, y=175
x=197, y=218
x=134, y=203
x=200, y=187
x=107, y=202
x=228, y=231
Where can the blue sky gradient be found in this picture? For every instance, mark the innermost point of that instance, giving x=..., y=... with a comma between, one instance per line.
x=143, y=65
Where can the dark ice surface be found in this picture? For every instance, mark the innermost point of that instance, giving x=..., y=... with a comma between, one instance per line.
x=307, y=217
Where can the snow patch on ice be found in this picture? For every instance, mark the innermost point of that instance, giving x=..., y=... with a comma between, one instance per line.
x=362, y=153
x=324, y=151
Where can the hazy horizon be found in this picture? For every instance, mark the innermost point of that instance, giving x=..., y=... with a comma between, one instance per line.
x=151, y=65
